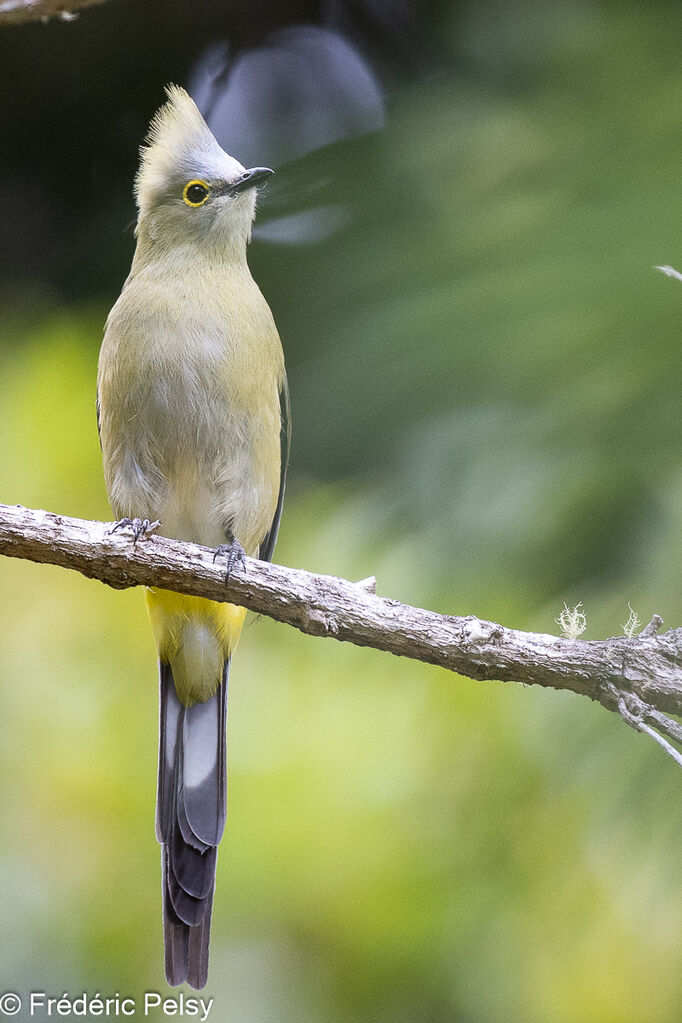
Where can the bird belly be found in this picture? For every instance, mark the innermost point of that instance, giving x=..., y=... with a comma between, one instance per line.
x=186, y=456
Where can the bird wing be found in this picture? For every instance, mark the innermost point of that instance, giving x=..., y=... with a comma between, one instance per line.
x=98, y=412
x=267, y=547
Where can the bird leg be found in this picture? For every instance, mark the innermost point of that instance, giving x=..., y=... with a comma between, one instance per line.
x=235, y=556
x=142, y=528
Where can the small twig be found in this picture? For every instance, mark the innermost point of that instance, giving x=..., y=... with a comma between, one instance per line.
x=669, y=271
x=664, y=724
x=638, y=724
x=652, y=628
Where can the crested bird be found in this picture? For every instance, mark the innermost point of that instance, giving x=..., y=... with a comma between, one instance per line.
x=193, y=410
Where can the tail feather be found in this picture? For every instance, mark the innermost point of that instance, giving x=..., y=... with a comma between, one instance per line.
x=197, y=956
x=170, y=710
x=194, y=871
x=175, y=933
x=191, y=813
x=188, y=836
x=189, y=910
x=204, y=789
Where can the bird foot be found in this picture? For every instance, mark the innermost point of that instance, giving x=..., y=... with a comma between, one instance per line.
x=141, y=528
x=235, y=556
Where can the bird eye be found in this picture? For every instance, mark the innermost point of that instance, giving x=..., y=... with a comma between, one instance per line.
x=195, y=193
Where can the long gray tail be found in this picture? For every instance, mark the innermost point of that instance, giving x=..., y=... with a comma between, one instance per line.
x=191, y=807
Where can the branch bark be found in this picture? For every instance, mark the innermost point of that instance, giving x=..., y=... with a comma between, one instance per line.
x=16, y=12
x=639, y=678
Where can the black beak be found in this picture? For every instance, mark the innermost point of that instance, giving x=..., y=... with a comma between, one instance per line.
x=250, y=179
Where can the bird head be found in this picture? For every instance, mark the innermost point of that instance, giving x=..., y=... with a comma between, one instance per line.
x=187, y=188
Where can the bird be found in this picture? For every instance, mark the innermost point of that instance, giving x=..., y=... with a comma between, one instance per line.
x=193, y=418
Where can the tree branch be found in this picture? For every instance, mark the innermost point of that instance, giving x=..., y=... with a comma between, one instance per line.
x=638, y=678
x=16, y=12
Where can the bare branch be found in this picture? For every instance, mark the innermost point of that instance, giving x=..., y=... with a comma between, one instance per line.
x=16, y=12
x=638, y=678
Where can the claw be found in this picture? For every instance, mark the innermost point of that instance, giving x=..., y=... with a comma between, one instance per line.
x=235, y=555
x=141, y=528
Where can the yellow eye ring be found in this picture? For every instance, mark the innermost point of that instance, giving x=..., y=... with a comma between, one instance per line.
x=196, y=192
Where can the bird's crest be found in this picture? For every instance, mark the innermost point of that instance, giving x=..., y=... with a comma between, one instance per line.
x=179, y=145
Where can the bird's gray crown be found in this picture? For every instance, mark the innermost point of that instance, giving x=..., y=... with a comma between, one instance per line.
x=180, y=147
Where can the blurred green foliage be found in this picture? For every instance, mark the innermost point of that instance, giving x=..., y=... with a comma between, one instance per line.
x=485, y=385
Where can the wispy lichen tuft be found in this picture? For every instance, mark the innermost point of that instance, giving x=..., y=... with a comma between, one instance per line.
x=572, y=621
x=633, y=625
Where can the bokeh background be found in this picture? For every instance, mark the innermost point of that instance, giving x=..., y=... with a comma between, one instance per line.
x=485, y=376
